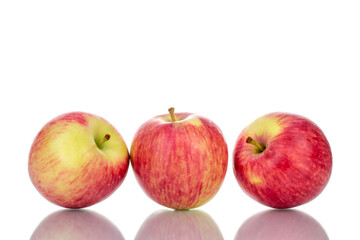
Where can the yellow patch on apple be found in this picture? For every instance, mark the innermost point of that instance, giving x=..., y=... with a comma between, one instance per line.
x=253, y=178
x=264, y=126
x=195, y=121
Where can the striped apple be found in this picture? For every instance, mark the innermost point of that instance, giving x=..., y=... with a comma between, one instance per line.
x=78, y=159
x=179, y=159
x=282, y=160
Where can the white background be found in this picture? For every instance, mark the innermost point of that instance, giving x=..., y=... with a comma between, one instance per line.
x=231, y=61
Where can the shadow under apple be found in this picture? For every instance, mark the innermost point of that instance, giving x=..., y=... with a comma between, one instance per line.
x=76, y=224
x=187, y=225
x=281, y=225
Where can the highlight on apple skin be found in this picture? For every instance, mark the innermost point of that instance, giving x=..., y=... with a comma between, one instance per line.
x=179, y=159
x=282, y=160
x=78, y=159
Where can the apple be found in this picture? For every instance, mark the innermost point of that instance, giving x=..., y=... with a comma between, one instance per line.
x=282, y=160
x=78, y=159
x=281, y=225
x=189, y=225
x=76, y=224
x=179, y=159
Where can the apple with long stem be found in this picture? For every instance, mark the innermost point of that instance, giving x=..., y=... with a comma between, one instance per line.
x=282, y=160
x=78, y=159
x=179, y=159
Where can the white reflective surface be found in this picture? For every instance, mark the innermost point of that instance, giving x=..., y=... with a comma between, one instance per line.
x=192, y=225
x=76, y=224
x=281, y=225
x=230, y=61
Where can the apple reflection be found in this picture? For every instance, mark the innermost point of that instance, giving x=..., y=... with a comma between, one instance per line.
x=187, y=225
x=281, y=224
x=76, y=224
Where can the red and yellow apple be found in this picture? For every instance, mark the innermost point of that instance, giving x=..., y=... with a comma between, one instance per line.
x=189, y=225
x=282, y=160
x=179, y=159
x=78, y=159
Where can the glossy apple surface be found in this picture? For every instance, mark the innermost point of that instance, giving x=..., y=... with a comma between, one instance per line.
x=77, y=160
x=169, y=225
x=281, y=225
x=180, y=161
x=76, y=225
x=282, y=160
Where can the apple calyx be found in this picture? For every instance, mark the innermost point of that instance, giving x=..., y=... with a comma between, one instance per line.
x=104, y=139
x=172, y=115
x=260, y=148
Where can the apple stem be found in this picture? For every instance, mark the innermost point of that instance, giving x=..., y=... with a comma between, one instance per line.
x=172, y=115
x=104, y=139
x=255, y=143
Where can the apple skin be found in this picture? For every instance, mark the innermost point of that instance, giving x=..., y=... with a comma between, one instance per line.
x=293, y=169
x=68, y=168
x=281, y=225
x=181, y=164
x=76, y=224
x=189, y=225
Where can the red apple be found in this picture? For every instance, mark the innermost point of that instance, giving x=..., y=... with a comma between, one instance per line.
x=77, y=160
x=281, y=225
x=76, y=225
x=282, y=160
x=169, y=225
x=179, y=160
